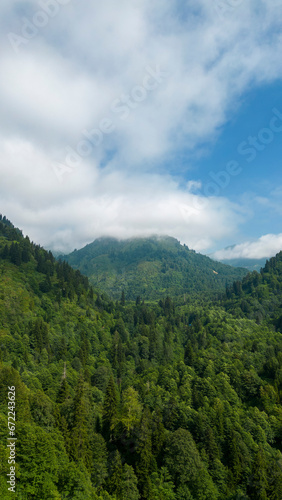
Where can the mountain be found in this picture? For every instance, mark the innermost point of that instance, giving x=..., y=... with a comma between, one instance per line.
x=150, y=268
x=121, y=400
x=259, y=295
x=250, y=264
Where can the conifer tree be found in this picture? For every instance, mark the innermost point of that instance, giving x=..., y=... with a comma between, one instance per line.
x=114, y=482
x=234, y=459
x=158, y=434
x=146, y=463
x=99, y=471
x=275, y=479
x=189, y=356
x=129, y=489
x=259, y=484
x=109, y=416
x=63, y=391
x=131, y=409
x=122, y=299
x=5, y=252
x=80, y=432
x=15, y=254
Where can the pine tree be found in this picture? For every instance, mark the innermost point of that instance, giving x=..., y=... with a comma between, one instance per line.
x=5, y=252
x=146, y=463
x=99, y=471
x=15, y=254
x=63, y=391
x=80, y=432
x=26, y=250
x=109, y=416
x=122, y=299
x=117, y=354
x=234, y=459
x=171, y=414
x=158, y=433
x=189, y=356
x=131, y=409
x=259, y=484
x=129, y=489
x=275, y=479
x=114, y=482
x=39, y=337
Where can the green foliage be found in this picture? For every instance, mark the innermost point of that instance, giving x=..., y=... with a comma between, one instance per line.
x=114, y=482
x=259, y=295
x=151, y=268
x=110, y=409
x=162, y=485
x=131, y=410
x=175, y=399
x=129, y=487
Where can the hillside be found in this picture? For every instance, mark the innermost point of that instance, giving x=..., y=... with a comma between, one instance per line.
x=259, y=296
x=250, y=264
x=122, y=401
x=150, y=268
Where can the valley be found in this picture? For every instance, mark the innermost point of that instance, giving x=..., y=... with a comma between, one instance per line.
x=119, y=398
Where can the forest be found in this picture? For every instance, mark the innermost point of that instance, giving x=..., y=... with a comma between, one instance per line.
x=177, y=398
x=153, y=267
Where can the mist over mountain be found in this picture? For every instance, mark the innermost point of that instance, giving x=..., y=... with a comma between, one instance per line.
x=137, y=367
x=130, y=400
x=250, y=264
x=150, y=267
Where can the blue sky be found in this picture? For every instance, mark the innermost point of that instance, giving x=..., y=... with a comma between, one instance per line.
x=260, y=176
x=127, y=119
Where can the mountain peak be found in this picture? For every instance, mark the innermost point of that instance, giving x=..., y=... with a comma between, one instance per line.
x=151, y=267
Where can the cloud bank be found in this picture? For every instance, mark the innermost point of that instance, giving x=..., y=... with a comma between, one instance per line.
x=92, y=202
x=95, y=97
x=266, y=246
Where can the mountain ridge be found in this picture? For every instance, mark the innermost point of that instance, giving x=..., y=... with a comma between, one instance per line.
x=141, y=266
x=250, y=264
x=124, y=399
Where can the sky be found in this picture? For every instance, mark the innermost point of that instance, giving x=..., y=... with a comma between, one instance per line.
x=141, y=117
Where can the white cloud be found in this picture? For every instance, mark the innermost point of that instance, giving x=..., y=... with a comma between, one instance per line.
x=266, y=246
x=90, y=202
x=66, y=79
x=67, y=76
x=194, y=186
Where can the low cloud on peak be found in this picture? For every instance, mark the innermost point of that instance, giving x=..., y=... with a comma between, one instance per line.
x=149, y=82
x=265, y=247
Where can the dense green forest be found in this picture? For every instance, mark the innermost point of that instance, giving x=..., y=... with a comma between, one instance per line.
x=179, y=399
x=152, y=267
x=259, y=295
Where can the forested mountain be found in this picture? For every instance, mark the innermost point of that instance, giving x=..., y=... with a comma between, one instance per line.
x=259, y=295
x=126, y=400
x=150, y=267
x=250, y=264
